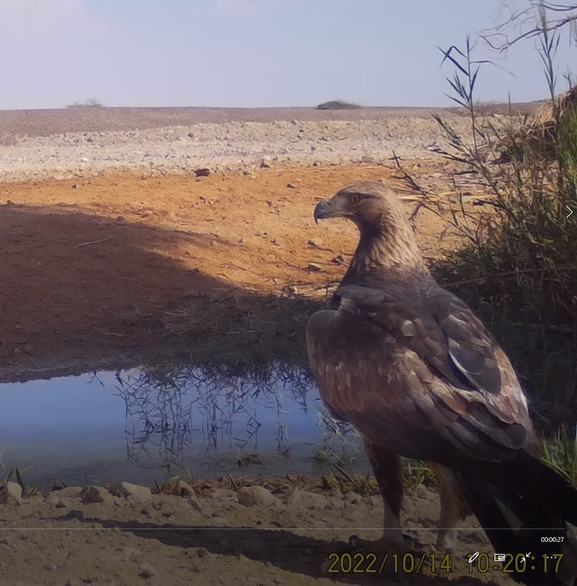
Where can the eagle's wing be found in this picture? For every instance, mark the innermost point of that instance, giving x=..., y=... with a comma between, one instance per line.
x=418, y=375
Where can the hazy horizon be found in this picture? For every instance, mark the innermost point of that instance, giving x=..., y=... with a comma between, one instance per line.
x=252, y=53
x=311, y=107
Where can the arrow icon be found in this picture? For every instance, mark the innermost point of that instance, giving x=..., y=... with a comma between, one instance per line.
x=570, y=212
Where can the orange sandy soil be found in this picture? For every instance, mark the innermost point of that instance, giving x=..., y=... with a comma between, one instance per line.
x=91, y=267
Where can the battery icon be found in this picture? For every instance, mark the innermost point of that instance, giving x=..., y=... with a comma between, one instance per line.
x=500, y=557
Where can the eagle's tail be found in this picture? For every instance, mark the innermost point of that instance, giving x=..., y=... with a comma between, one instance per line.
x=524, y=508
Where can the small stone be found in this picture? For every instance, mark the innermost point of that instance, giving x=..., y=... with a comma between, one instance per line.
x=288, y=520
x=315, y=267
x=311, y=500
x=251, y=496
x=113, y=490
x=290, y=186
x=218, y=521
x=201, y=552
x=94, y=494
x=73, y=514
x=71, y=492
x=377, y=501
x=12, y=494
x=136, y=492
x=421, y=491
x=132, y=553
x=202, y=172
x=199, y=505
x=184, y=489
x=146, y=571
x=59, y=485
x=353, y=498
x=56, y=500
x=265, y=163
x=286, y=494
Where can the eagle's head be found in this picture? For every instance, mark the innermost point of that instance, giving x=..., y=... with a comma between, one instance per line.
x=370, y=205
x=386, y=236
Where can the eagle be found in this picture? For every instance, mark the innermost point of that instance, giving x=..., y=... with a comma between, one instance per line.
x=411, y=367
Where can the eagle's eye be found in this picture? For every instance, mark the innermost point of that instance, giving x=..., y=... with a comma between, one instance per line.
x=354, y=198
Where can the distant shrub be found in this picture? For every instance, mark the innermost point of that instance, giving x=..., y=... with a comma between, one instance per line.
x=338, y=105
x=92, y=103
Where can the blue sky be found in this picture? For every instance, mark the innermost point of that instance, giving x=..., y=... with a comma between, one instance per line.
x=248, y=53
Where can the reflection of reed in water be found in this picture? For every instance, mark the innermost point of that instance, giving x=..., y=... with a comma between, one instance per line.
x=156, y=415
x=161, y=403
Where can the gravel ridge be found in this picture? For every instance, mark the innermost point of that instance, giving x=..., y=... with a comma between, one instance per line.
x=219, y=146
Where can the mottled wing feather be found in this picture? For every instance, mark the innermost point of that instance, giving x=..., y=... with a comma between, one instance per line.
x=469, y=344
x=441, y=329
x=418, y=380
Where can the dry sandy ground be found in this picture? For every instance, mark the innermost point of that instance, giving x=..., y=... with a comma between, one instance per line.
x=90, y=269
x=282, y=535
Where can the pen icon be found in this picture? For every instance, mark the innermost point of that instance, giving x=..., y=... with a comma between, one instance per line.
x=473, y=557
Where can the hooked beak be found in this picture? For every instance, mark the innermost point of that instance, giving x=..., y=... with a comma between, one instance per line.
x=323, y=210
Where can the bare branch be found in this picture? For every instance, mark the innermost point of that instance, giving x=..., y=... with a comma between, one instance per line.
x=516, y=24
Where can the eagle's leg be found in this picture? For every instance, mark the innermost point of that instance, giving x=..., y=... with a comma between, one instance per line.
x=388, y=473
x=454, y=508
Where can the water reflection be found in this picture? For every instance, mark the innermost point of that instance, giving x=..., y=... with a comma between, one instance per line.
x=162, y=406
x=146, y=424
